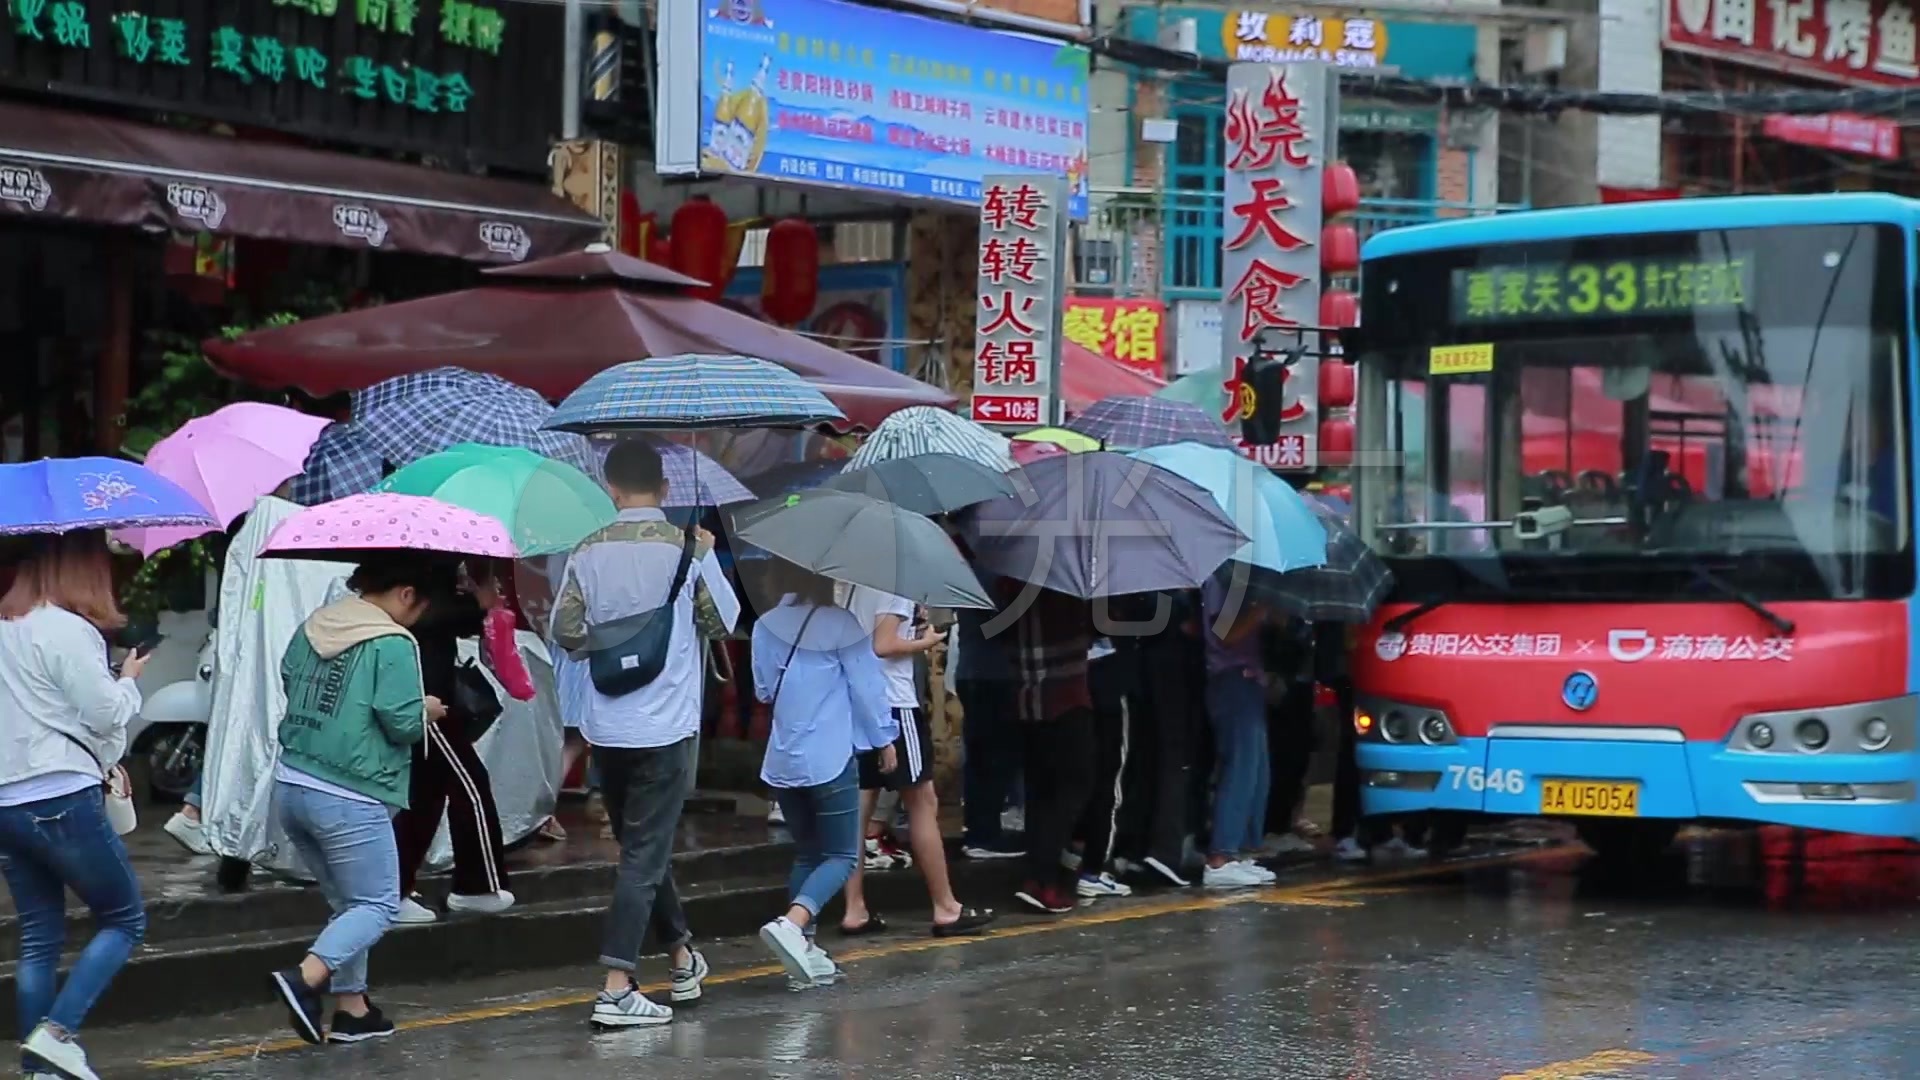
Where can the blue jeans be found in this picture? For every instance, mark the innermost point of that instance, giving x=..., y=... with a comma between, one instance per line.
x=825, y=822
x=349, y=848
x=1237, y=707
x=46, y=848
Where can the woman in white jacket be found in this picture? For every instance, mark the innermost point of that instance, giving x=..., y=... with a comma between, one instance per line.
x=63, y=720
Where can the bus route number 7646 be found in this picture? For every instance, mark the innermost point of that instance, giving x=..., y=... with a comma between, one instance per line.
x=1509, y=781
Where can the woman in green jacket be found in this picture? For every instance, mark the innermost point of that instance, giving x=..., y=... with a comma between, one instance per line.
x=355, y=708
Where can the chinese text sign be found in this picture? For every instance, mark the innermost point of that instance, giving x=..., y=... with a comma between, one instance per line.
x=1016, y=328
x=823, y=92
x=1129, y=331
x=1854, y=41
x=1276, y=121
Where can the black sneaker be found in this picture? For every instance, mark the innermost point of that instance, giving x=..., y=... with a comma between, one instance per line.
x=352, y=1029
x=303, y=1003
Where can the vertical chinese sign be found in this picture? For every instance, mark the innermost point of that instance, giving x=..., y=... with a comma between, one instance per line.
x=1016, y=341
x=1276, y=121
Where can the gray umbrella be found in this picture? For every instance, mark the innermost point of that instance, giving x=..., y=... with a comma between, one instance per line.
x=860, y=540
x=1103, y=524
x=927, y=483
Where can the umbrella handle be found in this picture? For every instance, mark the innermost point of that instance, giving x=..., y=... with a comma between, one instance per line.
x=721, y=661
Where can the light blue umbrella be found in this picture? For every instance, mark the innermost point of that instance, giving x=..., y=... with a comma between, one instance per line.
x=1286, y=533
x=57, y=495
x=694, y=391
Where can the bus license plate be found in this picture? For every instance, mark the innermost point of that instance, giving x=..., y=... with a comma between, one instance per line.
x=1589, y=798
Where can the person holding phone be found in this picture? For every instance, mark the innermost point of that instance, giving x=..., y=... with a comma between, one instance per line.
x=63, y=712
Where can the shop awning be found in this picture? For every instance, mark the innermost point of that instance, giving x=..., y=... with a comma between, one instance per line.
x=1086, y=377
x=61, y=165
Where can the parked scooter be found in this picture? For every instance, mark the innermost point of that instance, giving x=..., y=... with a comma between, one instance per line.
x=167, y=741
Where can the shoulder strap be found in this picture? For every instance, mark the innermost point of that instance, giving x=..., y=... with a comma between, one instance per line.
x=781, y=679
x=680, y=572
x=84, y=748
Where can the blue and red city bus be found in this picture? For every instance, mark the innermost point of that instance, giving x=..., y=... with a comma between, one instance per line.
x=1644, y=476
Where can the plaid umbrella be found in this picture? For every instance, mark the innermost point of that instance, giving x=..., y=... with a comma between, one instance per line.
x=1347, y=589
x=343, y=462
x=1125, y=422
x=693, y=478
x=408, y=417
x=693, y=391
x=924, y=429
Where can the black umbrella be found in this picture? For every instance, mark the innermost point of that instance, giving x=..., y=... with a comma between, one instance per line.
x=1347, y=589
x=850, y=537
x=926, y=483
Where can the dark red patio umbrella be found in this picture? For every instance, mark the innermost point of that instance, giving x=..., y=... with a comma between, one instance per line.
x=550, y=325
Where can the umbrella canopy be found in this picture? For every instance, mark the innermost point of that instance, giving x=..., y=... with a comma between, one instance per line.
x=1347, y=589
x=1204, y=390
x=410, y=416
x=1135, y=423
x=551, y=325
x=1071, y=441
x=227, y=460
x=350, y=529
x=57, y=495
x=548, y=506
x=928, y=483
x=694, y=479
x=797, y=476
x=693, y=391
x=850, y=537
x=1103, y=524
x=926, y=430
x=1286, y=533
x=343, y=462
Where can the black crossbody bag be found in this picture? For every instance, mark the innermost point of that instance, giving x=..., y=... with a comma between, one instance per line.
x=636, y=660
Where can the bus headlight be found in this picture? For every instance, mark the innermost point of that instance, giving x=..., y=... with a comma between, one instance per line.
x=1760, y=734
x=1435, y=731
x=1397, y=727
x=1812, y=733
x=1875, y=734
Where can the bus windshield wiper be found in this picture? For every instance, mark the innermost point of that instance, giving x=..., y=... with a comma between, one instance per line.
x=1405, y=619
x=1745, y=599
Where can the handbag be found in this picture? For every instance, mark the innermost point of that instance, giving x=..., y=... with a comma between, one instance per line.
x=636, y=660
x=116, y=790
x=474, y=700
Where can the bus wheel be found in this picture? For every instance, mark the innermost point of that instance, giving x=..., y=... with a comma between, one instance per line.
x=1628, y=842
x=1446, y=833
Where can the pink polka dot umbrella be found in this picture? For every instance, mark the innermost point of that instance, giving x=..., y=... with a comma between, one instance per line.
x=348, y=529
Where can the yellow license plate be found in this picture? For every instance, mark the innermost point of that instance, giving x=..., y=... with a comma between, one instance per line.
x=1589, y=798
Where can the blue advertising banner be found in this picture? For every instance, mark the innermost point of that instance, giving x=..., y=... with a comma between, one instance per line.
x=823, y=92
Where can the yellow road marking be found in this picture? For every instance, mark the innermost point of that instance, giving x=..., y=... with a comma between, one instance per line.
x=1580, y=1068
x=1312, y=894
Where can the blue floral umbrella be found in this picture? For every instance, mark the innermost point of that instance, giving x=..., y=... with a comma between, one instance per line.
x=693, y=391
x=58, y=495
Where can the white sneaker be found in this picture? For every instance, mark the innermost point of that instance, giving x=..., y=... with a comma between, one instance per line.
x=1349, y=850
x=64, y=1055
x=789, y=946
x=190, y=833
x=1265, y=876
x=820, y=966
x=1096, y=887
x=1013, y=820
x=484, y=904
x=631, y=1009
x=775, y=815
x=1398, y=848
x=1233, y=875
x=687, y=981
x=1291, y=844
x=1070, y=861
x=414, y=913
x=1172, y=876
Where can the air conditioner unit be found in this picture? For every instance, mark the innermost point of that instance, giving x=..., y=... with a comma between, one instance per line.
x=1181, y=35
x=1544, y=50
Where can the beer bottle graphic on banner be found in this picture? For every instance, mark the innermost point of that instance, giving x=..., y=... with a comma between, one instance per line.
x=750, y=118
x=714, y=158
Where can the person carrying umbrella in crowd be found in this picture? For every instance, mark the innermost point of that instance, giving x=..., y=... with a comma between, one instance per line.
x=812, y=663
x=63, y=718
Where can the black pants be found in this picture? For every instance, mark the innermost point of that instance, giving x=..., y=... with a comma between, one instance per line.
x=1110, y=680
x=1167, y=722
x=1290, y=731
x=990, y=734
x=1059, y=772
x=449, y=781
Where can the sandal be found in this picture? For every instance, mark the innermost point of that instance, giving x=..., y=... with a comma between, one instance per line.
x=971, y=921
x=550, y=830
x=874, y=925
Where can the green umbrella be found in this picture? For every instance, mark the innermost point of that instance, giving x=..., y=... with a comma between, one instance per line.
x=547, y=506
x=1202, y=388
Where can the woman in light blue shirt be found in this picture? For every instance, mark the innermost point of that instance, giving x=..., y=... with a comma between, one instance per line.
x=817, y=667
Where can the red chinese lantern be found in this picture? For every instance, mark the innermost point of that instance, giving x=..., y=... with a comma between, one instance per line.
x=1339, y=249
x=1339, y=308
x=659, y=249
x=1336, y=441
x=1336, y=384
x=633, y=228
x=700, y=245
x=1339, y=190
x=790, y=279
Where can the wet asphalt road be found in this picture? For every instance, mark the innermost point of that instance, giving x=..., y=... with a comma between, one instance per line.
x=1782, y=957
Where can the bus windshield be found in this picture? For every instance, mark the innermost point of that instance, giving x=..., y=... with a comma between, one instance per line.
x=1725, y=405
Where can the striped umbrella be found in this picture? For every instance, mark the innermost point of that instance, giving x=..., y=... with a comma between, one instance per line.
x=924, y=429
x=677, y=393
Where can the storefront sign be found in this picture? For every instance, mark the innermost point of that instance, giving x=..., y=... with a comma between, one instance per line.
x=1850, y=41
x=1600, y=290
x=470, y=80
x=1624, y=646
x=837, y=94
x=1016, y=342
x=1845, y=132
x=1270, y=258
x=1128, y=331
x=1261, y=37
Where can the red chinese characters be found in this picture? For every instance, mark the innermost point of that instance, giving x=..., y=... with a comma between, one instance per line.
x=1001, y=206
x=1258, y=291
x=1015, y=321
x=1259, y=217
x=1017, y=259
x=1257, y=134
x=1859, y=42
x=1006, y=311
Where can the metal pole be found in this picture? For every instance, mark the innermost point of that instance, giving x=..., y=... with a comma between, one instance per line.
x=575, y=30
